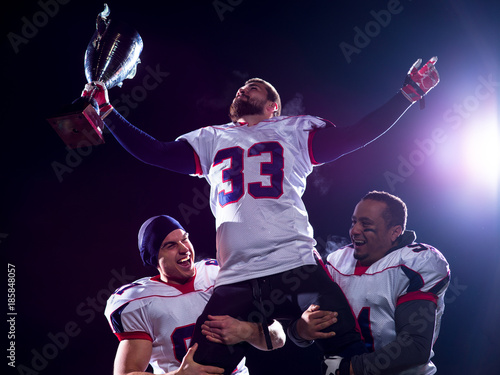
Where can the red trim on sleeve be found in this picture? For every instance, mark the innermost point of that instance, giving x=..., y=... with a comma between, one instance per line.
x=309, y=147
x=133, y=335
x=418, y=295
x=198, y=164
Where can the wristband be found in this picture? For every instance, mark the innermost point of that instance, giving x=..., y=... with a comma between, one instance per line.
x=295, y=337
x=105, y=110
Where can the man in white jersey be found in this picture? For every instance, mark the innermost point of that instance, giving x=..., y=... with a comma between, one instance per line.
x=257, y=167
x=395, y=286
x=154, y=317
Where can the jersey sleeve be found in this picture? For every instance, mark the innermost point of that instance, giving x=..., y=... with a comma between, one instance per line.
x=201, y=141
x=131, y=321
x=414, y=343
x=299, y=131
x=427, y=273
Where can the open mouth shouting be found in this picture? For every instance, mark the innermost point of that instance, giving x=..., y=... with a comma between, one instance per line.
x=358, y=242
x=185, y=262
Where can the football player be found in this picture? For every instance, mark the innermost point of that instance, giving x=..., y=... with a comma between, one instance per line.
x=257, y=167
x=396, y=287
x=154, y=317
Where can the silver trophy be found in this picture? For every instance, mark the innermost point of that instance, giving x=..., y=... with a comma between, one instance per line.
x=112, y=56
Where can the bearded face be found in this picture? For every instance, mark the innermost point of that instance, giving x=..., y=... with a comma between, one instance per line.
x=243, y=105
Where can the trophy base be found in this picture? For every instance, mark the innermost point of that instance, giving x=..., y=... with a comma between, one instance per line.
x=79, y=125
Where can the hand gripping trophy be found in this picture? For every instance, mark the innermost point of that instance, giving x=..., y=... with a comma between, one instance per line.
x=112, y=55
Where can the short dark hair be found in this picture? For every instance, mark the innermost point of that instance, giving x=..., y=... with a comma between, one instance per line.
x=272, y=93
x=396, y=212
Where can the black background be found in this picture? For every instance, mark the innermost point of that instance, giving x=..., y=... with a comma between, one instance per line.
x=70, y=218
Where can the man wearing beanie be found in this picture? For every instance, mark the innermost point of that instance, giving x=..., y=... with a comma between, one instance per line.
x=154, y=317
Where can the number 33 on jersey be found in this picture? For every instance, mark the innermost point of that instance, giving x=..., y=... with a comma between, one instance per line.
x=242, y=160
x=257, y=176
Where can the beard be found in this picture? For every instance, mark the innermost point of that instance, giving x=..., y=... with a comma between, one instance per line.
x=240, y=108
x=358, y=256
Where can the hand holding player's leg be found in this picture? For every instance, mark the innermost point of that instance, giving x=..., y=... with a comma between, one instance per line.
x=313, y=321
x=224, y=329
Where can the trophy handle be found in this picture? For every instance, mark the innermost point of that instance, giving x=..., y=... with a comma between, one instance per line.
x=102, y=24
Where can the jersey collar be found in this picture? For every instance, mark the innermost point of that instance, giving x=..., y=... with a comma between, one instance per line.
x=183, y=288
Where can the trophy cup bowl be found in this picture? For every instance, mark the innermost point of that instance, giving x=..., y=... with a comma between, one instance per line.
x=112, y=56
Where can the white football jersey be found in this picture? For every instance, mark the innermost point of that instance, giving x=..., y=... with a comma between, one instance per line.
x=416, y=271
x=165, y=314
x=257, y=176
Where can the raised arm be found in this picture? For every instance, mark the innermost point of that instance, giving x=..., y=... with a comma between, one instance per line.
x=176, y=156
x=229, y=331
x=329, y=144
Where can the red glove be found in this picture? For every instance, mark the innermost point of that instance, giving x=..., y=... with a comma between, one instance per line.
x=97, y=90
x=419, y=82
